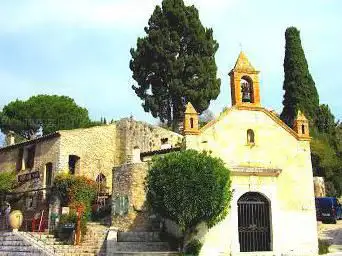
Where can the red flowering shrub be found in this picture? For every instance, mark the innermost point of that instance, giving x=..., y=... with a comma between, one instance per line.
x=76, y=191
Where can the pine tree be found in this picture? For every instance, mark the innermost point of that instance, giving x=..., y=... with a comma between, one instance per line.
x=174, y=63
x=300, y=91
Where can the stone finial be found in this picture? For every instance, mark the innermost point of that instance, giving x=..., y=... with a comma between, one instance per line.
x=301, y=125
x=190, y=120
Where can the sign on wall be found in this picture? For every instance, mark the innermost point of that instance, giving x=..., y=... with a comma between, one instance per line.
x=28, y=176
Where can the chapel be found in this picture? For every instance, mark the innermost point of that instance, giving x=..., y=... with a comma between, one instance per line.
x=272, y=210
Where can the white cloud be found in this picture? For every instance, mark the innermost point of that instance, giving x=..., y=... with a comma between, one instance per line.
x=118, y=14
x=84, y=13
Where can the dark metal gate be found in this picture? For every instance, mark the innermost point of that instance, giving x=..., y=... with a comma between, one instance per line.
x=254, y=223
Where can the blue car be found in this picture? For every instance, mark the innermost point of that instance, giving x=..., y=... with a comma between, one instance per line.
x=328, y=209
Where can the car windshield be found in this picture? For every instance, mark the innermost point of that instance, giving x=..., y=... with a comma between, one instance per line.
x=326, y=202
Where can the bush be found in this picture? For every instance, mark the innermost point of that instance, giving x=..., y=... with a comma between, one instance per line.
x=73, y=190
x=323, y=246
x=189, y=187
x=77, y=192
x=7, y=181
x=193, y=247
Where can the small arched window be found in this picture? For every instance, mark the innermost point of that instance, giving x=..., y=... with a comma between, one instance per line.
x=191, y=122
x=303, y=129
x=250, y=136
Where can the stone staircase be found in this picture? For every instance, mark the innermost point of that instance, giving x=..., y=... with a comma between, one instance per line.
x=15, y=244
x=92, y=244
x=139, y=244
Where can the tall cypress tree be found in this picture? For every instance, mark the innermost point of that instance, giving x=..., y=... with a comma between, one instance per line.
x=174, y=63
x=300, y=91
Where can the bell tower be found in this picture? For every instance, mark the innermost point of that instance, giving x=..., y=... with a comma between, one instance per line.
x=190, y=120
x=244, y=83
x=301, y=125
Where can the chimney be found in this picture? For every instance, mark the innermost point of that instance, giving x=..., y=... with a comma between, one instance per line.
x=10, y=140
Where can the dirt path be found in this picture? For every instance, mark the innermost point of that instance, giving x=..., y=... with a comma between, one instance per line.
x=332, y=233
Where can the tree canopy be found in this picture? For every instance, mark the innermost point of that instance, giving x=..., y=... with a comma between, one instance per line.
x=46, y=113
x=301, y=94
x=189, y=187
x=300, y=90
x=174, y=63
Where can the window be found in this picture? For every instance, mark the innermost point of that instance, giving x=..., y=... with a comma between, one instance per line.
x=250, y=136
x=191, y=122
x=303, y=129
x=74, y=164
x=48, y=174
x=29, y=156
x=20, y=159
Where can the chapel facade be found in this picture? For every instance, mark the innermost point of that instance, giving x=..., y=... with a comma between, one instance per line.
x=272, y=208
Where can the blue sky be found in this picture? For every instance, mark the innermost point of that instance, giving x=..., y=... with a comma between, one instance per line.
x=80, y=48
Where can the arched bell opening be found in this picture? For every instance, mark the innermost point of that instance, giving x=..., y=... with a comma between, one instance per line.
x=247, y=90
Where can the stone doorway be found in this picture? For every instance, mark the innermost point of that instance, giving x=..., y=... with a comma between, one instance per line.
x=254, y=223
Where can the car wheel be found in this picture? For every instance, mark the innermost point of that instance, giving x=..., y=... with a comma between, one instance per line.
x=334, y=221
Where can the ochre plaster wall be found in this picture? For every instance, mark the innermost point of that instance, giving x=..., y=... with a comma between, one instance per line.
x=290, y=194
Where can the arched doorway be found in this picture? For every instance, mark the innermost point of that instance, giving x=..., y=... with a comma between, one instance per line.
x=254, y=223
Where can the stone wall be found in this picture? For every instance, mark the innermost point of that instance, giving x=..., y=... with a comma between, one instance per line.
x=46, y=151
x=96, y=148
x=136, y=134
x=29, y=192
x=128, y=181
x=8, y=160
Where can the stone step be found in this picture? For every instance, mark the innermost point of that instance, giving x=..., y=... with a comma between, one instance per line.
x=139, y=237
x=18, y=249
x=13, y=243
x=76, y=247
x=80, y=254
x=41, y=235
x=9, y=238
x=141, y=246
x=143, y=253
x=18, y=253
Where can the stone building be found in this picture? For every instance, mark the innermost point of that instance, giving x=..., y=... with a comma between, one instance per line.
x=92, y=152
x=273, y=209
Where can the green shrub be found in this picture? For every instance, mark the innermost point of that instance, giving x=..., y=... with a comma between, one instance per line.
x=7, y=181
x=189, y=187
x=323, y=246
x=193, y=247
